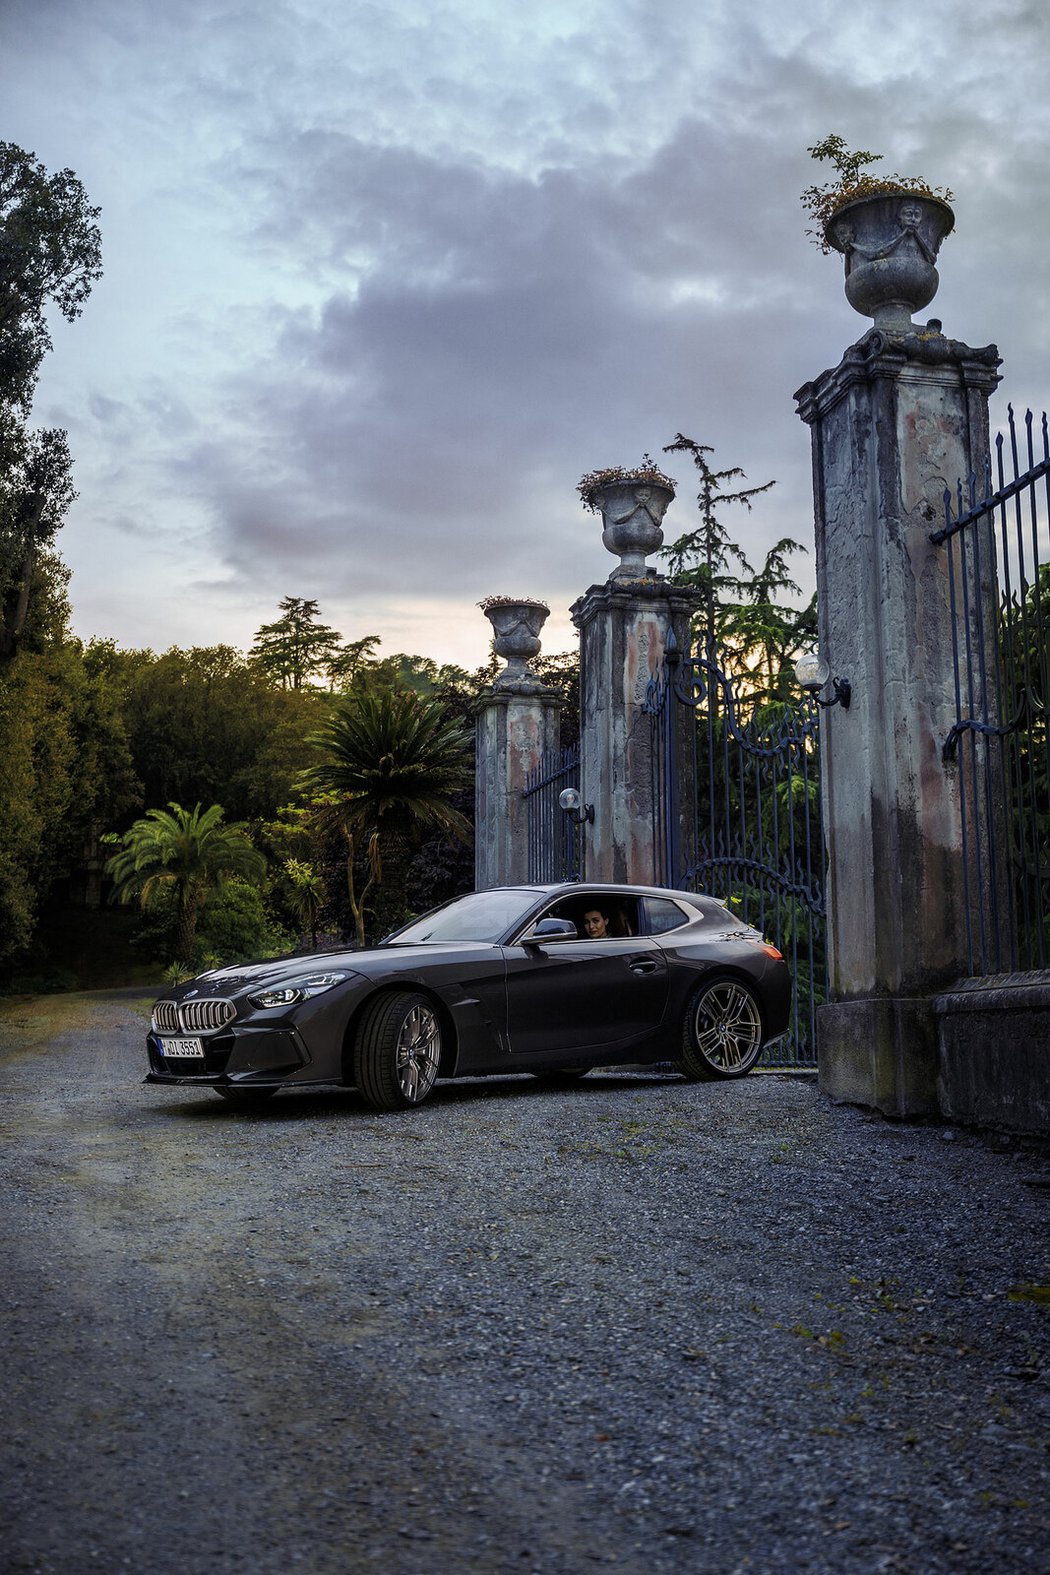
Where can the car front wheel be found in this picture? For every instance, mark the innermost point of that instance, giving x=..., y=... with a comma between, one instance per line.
x=398, y=1051
x=722, y=1032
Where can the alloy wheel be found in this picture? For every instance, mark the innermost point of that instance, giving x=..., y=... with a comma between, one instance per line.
x=728, y=1026
x=418, y=1053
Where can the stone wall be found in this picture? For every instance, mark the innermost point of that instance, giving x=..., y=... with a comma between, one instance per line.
x=993, y=1053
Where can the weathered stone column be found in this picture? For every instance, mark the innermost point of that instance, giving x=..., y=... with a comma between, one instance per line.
x=517, y=722
x=903, y=415
x=624, y=625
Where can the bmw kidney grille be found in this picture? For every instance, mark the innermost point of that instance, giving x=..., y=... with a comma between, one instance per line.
x=194, y=1017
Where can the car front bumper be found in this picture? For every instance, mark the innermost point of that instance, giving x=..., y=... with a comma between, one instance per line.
x=242, y=1055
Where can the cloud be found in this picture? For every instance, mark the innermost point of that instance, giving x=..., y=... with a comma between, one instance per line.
x=384, y=280
x=502, y=335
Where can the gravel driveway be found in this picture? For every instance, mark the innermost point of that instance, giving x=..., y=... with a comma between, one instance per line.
x=635, y=1324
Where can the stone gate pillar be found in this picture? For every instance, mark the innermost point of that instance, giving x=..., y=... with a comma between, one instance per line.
x=517, y=722
x=902, y=417
x=624, y=626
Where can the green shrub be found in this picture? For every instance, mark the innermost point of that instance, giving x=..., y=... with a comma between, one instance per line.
x=234, y=926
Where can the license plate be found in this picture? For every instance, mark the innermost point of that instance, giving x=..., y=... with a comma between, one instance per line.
x=181, y=1048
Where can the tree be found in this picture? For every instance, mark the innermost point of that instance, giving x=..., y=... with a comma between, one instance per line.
x=348, y=663
x=208, y=724
x=561, y=672
x=703, y=558
x=50, y=254
x=760, y=635
x=66, y=772
x=764, y=636
x=189, y=852
x=390, y=763
x=296, y=646
x=420, y=674
x=36, y=491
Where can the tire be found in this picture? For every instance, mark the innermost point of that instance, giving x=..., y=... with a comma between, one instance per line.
x=563, y=1074
x=397, y=1051
x=246, y=1096
x=722, y=1032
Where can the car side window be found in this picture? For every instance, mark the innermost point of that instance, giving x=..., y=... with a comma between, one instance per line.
x=662, y=915
x=601, y=917
x=622, y=915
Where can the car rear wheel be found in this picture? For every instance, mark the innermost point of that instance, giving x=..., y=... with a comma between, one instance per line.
x=246, y=1096
x=722, y=1032
x=398, y=1051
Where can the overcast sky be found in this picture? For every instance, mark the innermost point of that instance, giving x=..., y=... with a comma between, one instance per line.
x=383, y=279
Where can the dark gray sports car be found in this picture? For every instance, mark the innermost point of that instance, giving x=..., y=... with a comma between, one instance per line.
x=550, y=980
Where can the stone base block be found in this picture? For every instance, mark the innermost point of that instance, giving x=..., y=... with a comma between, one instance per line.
x=993, y=1045
x=879, y=1052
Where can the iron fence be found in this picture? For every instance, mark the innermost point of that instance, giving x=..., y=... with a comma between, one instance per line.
x=996, y=537
x=553, y=837
x=737, y=813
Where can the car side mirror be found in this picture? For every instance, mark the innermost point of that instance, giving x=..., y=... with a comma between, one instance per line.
x=551, y=930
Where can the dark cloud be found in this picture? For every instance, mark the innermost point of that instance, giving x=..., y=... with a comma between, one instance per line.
x=505, y=334
x=400, y=273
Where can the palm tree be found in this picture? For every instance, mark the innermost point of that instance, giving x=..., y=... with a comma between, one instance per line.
x=391, y=762
x=189, y=852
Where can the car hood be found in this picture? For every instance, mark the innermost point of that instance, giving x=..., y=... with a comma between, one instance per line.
x=387, y=959
x=376, y=960
x=227, y=981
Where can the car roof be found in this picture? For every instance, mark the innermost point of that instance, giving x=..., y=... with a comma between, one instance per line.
x=624, y=888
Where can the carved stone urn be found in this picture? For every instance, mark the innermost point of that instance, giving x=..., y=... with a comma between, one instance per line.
x=632, y=511
x=516, y=626
x=890, y=243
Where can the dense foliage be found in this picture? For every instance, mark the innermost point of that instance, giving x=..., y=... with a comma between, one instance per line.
x=189, y=853
x=97, y=740
x=50, y=256
x=207, y=724
x=65, y=761
x=67, y=774
x=389, y=764
x=1023, y=760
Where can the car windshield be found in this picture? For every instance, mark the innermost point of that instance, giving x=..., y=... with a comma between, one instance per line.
x=483, y=916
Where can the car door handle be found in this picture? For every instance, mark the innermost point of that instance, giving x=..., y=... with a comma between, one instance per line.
x=643, y=965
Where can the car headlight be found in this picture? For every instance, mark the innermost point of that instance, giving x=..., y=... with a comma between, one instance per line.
x=296, y=989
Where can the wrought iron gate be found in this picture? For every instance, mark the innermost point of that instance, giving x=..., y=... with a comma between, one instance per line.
x=737, y=813
x=997, y=537
x=554, y=838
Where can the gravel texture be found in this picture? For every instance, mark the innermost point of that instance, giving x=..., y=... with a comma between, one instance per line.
x=636, y=1324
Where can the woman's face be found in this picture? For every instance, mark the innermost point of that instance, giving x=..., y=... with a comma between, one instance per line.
x=595, y=925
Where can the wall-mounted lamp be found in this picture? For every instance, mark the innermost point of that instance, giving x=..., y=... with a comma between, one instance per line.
x=812, y=673
x=572, y=804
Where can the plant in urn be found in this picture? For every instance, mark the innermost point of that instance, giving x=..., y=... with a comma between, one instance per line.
x=632, y=504
x=889, y=230
x=516, y=624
